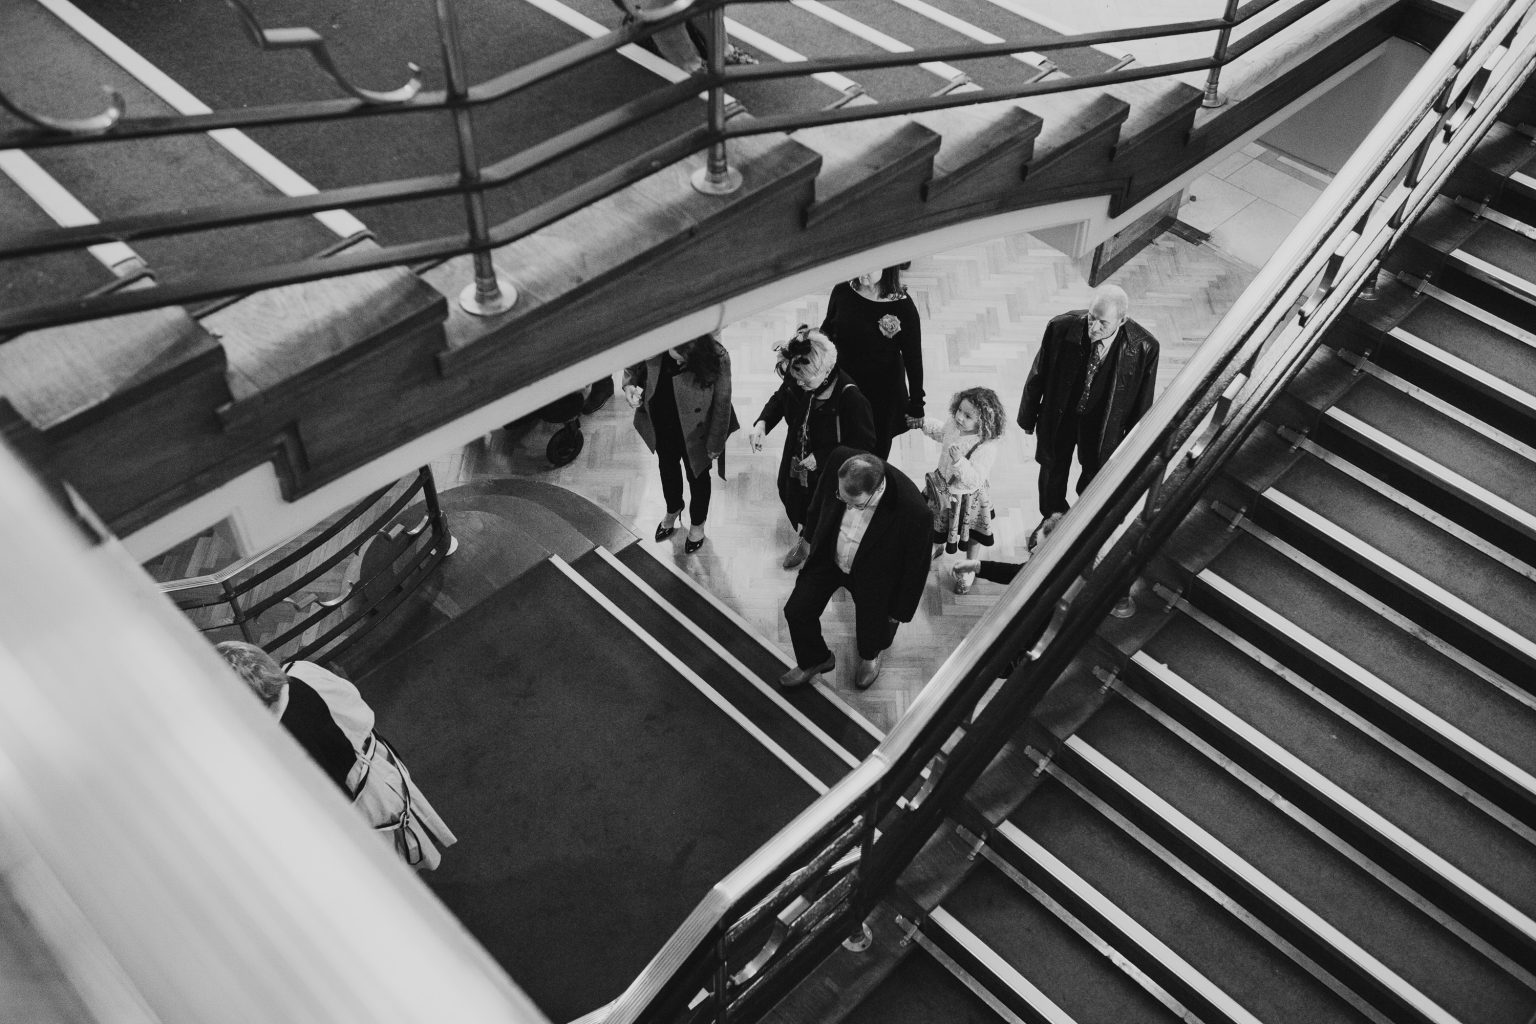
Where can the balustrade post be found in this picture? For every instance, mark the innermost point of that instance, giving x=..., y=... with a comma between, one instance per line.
x=490, y=293
x=1213, y=97
x=435, y=513
x=716, y=177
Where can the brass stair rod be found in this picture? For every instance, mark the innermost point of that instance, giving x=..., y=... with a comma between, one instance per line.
x=1213, y=98
x=716, y=177
x=490, y=293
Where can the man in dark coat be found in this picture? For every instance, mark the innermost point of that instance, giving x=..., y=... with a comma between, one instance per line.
x=868, y=528
x=1092, y=381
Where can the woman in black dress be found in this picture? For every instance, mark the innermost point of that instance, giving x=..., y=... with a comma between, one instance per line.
x=874, y=324
x=821, y=408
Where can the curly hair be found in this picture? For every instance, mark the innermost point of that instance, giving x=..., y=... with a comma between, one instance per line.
x=810, y=355
x=257, y=668
x=991, y=420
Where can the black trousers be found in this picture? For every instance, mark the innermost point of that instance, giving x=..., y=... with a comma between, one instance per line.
x=674, y=467
x=814, y=587
x=1077, y=433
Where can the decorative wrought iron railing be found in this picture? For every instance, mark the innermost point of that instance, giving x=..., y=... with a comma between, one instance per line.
x=474, y=178
x=321, y=598
x=758, y=931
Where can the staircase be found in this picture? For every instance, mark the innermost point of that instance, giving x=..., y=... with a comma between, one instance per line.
x=1308, y=789
x=170, y=404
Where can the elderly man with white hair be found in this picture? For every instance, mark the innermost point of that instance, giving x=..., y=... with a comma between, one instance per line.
x=1092, y=381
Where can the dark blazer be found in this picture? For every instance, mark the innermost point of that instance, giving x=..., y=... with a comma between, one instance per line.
x=891, y=566
x=1059, y=363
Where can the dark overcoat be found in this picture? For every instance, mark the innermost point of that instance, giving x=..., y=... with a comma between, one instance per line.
x=1059, y=364
x=893, y=560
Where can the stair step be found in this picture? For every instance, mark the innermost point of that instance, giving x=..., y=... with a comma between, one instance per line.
x=926, y=988
x=1444, y=706
x=1483, y=262
x=1472, y=480
x=769, y=715
x=827, y=712
x=1096, y=863
x=1481, y=364
x=1406, y=820
x=1454, y=589
x=1056, y=957
x=1280, y=864
x=864, y=157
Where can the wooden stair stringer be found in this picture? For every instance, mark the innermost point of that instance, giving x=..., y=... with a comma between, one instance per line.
x=889, y=157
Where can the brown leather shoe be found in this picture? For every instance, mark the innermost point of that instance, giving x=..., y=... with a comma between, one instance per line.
x=865, y=675
x=800, y=676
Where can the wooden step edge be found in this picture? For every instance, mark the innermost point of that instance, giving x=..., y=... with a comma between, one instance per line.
x=1404, y=996
x=1357, y=721
x=865, y=161
x=822, y=687
x=764, y=687
x=676, y=664
x=1463, y=612
x=1425, y=720
x=978, y=137
x=1121, y=932
x=995, y=974
x=1433, y=472
x=1502, y=924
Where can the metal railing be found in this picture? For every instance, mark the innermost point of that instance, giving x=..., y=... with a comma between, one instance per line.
x=814, y=884
x=386, y=562
x=474, y=178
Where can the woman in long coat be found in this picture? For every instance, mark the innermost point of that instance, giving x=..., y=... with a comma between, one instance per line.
x=682, y=403
x=879, y=338
x=821, y=408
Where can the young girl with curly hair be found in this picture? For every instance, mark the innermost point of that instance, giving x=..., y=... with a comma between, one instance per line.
x=957, y=489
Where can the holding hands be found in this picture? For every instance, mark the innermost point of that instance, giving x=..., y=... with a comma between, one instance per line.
x=633, y=393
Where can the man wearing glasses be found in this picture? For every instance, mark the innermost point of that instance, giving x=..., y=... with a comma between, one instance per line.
x=1091, y=382
x=868, y=528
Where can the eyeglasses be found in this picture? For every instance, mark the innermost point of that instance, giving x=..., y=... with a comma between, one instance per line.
x=857, y=506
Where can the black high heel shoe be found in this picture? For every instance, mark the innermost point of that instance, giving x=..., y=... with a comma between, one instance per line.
x=663, y=531
x=690, y=546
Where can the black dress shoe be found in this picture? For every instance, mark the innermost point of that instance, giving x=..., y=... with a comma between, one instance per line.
x=690, y=546
x=663, y=531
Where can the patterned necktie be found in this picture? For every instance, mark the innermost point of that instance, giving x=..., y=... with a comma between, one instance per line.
x=1095, y=360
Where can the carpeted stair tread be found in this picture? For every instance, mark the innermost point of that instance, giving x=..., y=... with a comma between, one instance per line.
x=994, y=18
x=1448, y=442
x=1504, y=248
x=1489, y=349
x=1062, y=964
x=596, y=523
x=1211, y=939
x=597, y=796
x=1397, y=933
x=1374, y=519
x=914, y=29
x=814, y=37
x=26, y=281
x=750, y=651
x=922, y=991
x=1392, y=787
x=742, y=694
x=1407, y=662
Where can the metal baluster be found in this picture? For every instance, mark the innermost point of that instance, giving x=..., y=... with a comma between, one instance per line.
x=491, y=293
x=1213, y=98
x=236, y=612
x=435, y=513
x=716, y=177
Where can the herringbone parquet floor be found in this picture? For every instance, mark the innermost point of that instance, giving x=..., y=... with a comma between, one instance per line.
x=984, y=309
